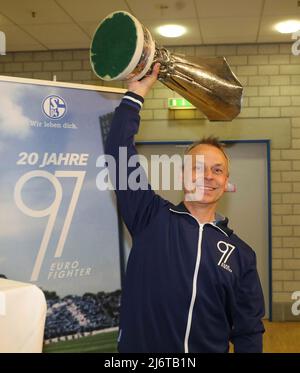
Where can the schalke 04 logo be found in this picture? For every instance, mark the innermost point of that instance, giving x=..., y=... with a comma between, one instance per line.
x=54, y=107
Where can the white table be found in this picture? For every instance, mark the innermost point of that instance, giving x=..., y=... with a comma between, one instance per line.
x=22, y=317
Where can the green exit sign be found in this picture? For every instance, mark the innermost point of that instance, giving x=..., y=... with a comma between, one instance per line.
x=179, y=103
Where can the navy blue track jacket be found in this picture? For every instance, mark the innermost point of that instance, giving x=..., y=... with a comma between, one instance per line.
x=189, y=287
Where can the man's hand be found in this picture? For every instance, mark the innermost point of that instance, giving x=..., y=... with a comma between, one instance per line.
x=143, y=86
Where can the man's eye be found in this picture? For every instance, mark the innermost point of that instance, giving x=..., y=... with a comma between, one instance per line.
x=218, y=170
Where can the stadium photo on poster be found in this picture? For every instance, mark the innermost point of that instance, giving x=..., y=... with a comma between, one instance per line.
x=58, y=230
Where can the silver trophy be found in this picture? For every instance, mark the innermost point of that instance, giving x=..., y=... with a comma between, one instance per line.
x=123, y=49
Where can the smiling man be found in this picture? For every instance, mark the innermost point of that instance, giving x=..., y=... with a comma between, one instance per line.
x=209, y=177
x=191, y=284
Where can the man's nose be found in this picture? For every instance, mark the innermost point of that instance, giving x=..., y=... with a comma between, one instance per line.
x=208, y=174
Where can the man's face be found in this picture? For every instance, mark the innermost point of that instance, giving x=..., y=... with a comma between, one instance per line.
x=211, y=177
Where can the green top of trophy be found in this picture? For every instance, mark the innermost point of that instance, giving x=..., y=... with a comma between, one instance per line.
x=113, y=45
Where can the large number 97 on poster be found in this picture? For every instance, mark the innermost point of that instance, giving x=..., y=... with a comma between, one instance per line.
x=50, y=211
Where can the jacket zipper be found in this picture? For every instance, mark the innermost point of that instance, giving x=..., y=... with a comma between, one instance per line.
x=194, y=292
x=195, y=278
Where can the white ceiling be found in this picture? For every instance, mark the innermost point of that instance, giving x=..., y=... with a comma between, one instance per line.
x=69, y=24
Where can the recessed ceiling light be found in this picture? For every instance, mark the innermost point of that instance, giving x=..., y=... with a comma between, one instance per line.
x=171, y=31
x=287, y=27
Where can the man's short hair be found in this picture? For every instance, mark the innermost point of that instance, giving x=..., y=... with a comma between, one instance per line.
x=210, y=140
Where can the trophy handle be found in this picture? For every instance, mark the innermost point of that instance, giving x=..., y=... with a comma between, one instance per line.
x=208, y=83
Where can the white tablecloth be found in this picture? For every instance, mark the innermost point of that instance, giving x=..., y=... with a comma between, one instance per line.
x=22, y=317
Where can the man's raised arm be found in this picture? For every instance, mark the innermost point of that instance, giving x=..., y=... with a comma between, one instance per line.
x=137, y=206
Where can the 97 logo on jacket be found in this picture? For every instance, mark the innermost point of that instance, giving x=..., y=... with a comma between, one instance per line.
x=226, y=249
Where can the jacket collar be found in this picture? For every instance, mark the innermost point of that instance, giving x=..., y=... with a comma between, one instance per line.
x=221, y=221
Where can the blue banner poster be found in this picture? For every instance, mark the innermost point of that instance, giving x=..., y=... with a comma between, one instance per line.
x=57, y=230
